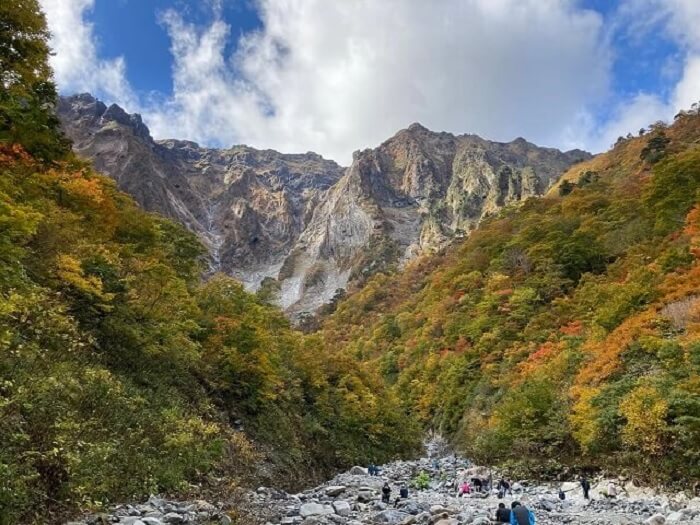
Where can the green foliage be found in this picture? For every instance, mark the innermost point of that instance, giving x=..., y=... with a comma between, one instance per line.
x=28, y=95
x=531, y=343
x=121, y=371
x=655, y=148
x=421, y=481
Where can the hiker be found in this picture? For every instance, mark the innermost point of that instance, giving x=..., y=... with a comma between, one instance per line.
x=464, y=488
x=503, y=484
x=386, y=492
x=521, y=515
x=477, y=484
x=562, y=495
x=612, y=491
x=403, y=494
x=502, y=513
x=586, y=486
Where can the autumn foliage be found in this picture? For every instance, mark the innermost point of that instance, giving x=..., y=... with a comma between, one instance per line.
x=564, y=331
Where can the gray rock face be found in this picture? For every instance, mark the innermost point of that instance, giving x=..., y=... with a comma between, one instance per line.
x=315, y=509
x=304, y=221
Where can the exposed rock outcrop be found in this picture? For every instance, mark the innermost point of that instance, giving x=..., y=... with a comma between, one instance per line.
x=303, y=221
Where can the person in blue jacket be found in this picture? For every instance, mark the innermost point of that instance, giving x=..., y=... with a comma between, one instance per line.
x=521, y=515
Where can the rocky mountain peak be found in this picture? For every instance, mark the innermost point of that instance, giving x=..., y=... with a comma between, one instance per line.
x=302, y=224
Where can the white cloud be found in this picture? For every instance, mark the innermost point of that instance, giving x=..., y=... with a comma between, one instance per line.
x=629, y=117
x=76, y=64
x=338, y=76
x=687, y=90
x=335, y=76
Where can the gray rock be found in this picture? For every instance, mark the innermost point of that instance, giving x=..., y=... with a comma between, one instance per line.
x=335, y=490
x=365, y=496
x=412, y=507
x=342, y=508
x=131, y=520
x=448, y=521
x=314, y=509
x=307, y=219
x=390, y=517
x=675, y=517
x=437, y=509
x=656, y=519
x=173, y=517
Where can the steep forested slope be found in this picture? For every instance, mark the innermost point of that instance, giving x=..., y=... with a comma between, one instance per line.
x=563, y=331
x=122, y=373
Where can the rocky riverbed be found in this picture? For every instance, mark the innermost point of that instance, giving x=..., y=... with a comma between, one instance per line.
x=354, y=498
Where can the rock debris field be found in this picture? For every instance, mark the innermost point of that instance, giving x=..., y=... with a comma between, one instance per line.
x=354, y=498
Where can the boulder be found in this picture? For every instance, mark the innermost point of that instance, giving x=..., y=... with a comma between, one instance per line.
x=173, y=517
x=335, y=490
x=342, y=508
x=131, y=520
x=390, y=517
x=437, y=517
x=675, y=517
x=365, y=496
x=656, y=519
x=315, y=509
x=412, y=507
x=358, y=471
x=447, y=521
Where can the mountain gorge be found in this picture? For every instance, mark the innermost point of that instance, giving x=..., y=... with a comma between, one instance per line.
x=301, y=225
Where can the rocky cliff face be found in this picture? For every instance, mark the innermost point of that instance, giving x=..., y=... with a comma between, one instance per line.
x=305, y=222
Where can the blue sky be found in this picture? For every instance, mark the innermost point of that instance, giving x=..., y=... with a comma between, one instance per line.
x=132, y=29
x=337, y=75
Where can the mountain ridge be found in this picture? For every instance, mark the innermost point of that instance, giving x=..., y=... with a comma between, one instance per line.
x=304, y=226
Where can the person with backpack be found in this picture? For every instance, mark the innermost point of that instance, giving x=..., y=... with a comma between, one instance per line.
x=502, y=513
x=521, y=515
x=586, y=486
x=504, y=485
x=403, y=494
x=386, y=492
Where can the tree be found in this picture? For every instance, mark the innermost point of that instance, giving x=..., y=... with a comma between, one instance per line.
x=28, y=94
x=655, y=148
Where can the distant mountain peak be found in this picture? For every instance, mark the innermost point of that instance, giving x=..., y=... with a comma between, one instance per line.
x=309, y=224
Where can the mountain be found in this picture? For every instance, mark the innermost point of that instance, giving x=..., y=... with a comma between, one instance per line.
x=564, y=334
x=304, y=225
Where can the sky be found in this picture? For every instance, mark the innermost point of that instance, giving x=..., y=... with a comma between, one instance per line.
x=335, y=76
